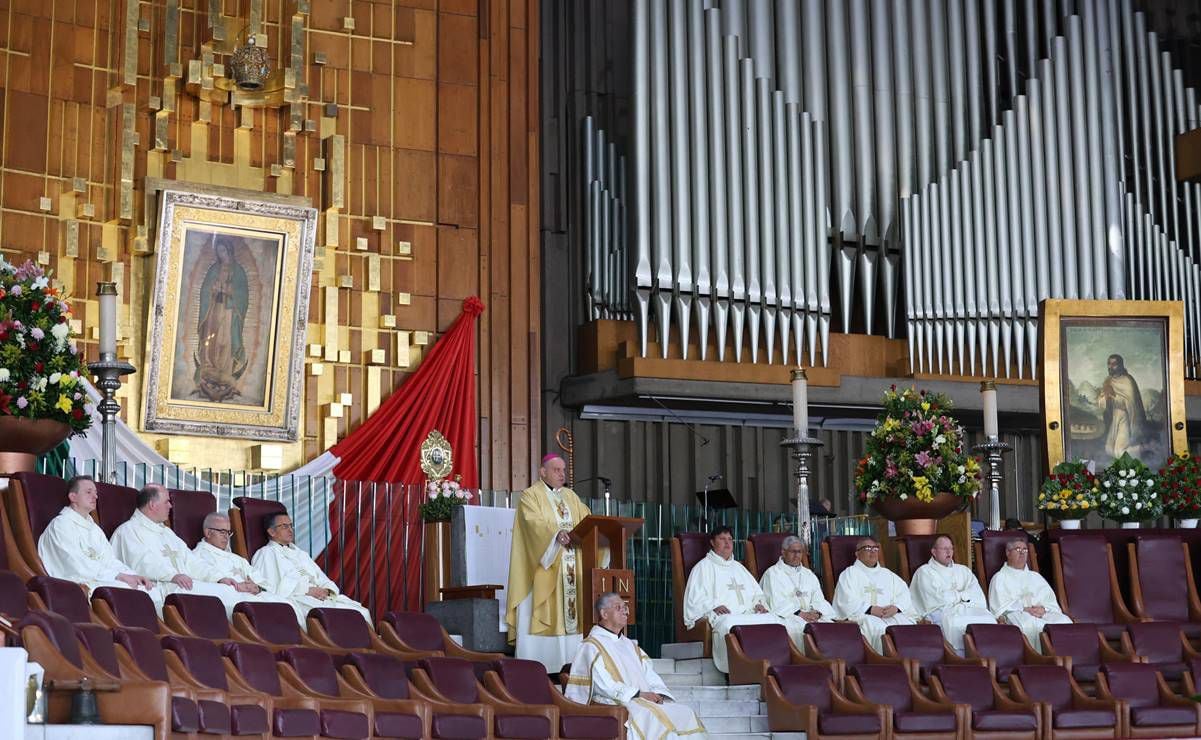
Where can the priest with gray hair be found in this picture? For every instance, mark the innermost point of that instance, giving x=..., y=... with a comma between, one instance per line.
x=214, y=561
x=609, y=668
x=793, y=590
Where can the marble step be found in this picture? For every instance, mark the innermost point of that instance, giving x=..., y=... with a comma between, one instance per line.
x=746, y=724
x=682, y=650
x=695, y=679
x=693, y=695
x=726, y=708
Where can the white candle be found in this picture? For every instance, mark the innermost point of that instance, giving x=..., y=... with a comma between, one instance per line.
x=988, y=391
x=107, y=293
x=800, y=402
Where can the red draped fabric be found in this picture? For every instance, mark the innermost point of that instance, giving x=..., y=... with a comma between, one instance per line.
x=384, y=449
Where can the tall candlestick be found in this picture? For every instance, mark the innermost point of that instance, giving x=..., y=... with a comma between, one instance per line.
x=107, y=293
x=988, y=391
x=800, y=402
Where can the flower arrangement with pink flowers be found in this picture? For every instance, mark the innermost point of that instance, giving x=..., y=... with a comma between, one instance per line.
x=442, y=496
x=40, y=366
x=916, y=450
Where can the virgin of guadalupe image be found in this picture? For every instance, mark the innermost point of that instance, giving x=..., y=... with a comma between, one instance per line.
x=220, y=353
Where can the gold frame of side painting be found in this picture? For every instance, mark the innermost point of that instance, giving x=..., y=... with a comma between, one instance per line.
x=228, y=313
x=1082, y=380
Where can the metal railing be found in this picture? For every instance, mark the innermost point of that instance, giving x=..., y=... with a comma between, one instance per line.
x=379, y=515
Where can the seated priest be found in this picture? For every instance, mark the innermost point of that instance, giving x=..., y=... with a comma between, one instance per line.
x=214, y=562
x=871, y=595
x=290, y=573
x=610, y=668
x=725, y=593
x=792, y=589
x=150, y=546
x=948, y=594
x=74, y=547
x=1021, y=597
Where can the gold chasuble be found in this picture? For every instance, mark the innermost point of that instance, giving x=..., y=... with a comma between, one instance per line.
x=542, y=569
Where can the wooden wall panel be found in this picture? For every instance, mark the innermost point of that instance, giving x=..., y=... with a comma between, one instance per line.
x=437, y=108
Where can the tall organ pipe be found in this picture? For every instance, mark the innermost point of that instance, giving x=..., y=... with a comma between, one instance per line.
x=698, y=91
x=720, y=231
x=681, y=173
x=643, y=278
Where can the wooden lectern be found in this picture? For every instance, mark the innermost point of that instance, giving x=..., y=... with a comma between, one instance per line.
x=592, y=536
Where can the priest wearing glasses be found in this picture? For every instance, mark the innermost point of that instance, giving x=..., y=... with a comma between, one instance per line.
x=871, y=595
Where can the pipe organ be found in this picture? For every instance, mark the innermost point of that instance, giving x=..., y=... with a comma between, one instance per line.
x=928, y=167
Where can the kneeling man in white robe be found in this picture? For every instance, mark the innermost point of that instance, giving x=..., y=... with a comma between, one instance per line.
x=290, y=573
x=871, y=595
x=214, y=562
x=610, y=668
x=73, y=546
x=724, y=592
x=793, y=590
x=1022, y=597
x=153, y=548
x=948, y=594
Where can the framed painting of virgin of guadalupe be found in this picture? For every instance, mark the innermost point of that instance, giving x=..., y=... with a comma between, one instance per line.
x=225, y=347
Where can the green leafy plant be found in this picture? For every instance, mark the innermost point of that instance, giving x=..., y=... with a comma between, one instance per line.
x=916, y=450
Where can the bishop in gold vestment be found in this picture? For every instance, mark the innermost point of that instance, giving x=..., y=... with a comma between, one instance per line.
x=545, y=571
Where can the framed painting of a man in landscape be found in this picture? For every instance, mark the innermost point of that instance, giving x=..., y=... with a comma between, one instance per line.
x=1113, y=383
x=228, y=314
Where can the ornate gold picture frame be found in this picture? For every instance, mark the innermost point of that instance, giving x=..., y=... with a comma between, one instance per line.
x=228, y=311
x=1113, y=380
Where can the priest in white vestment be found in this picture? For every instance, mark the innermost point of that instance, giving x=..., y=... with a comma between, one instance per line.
x=546, y=572
x=871, y=595
x=948, y=594
x=289, y=572
x=1021, y=597
x=213, y=561
x=154, y=550
x=73, y=546
x=725, y=593
x=610, y=668
x=792, y=589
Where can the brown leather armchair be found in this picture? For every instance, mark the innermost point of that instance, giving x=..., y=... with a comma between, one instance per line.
x=913, y=551
x=421, y=634
x=1005, y=648
x=838, y=554
x=31, y=501
x=246, y=520
x=1068, y=713
x=525, y=682
x=911, y=713
x=452, y=680
x=993, y=713
x=687, y=549
x=925, y=645
x=1152, y=708
x=197, y=615
x=345, y=629
x=1161, y=582
x=1086, y=584
x=803, y=698
x=51, y=642
x=754, y=649
x=200, y=661
x=829, y=641
x=272, y=624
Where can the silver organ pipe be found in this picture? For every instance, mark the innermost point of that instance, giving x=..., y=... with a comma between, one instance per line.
x=972, y=157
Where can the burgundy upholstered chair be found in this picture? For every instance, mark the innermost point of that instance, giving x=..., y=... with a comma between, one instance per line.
x=196, y=615
x=52, y=642
x=763, y=551
x=803, y=698
x=687, y=549
x=61, y=597
x=31, y=501
x=1086, y=584
x=420, y=634
x=383, y=676
x=993, y=712
x=1086, y=647
x=753, y=649
x=1005, y=646
x=1161, y=582
x=114, y=505
x=269, y=623
x=139, y=653
x=990, y=554
x=1154, y=710
x=912, y=713
x=1067, y=711
x=14, y=597
x=201, y=660
x=1162, y=645
x=525, y=682
x=838, y=554
x=126, y=607
x=292, y=713
x=188, y=510
x=913, y=551
x=246, y=519
x=314, y=671
x=452, y=680
x=830, y=641
x=97, y=639
x=345, y=629
x=925, y=645
x=11, y=558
